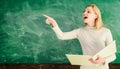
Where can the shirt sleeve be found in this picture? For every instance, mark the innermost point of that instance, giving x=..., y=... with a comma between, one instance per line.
x=64, y=35
x=110, y=59
x=109, y=39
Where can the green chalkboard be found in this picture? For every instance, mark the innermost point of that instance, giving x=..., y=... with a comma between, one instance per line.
x=25, y=38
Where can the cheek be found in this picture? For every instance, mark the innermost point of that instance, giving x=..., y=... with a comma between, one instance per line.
x=92, y=17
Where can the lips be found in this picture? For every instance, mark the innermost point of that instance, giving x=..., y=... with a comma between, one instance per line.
x=85, y=17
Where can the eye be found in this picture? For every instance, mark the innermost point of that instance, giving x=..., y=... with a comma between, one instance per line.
x=88, y=11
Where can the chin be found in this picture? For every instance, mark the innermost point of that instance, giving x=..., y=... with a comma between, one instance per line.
x=85, y=22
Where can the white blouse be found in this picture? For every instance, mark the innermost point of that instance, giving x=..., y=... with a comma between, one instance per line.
x=91, y=40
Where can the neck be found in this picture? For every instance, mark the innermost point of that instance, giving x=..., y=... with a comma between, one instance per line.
x=91, y=24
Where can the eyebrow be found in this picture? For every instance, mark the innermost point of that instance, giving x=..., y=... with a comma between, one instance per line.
x=87, y=10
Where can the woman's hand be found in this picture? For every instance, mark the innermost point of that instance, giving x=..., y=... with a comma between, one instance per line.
x=99, y=60
x=50, y=20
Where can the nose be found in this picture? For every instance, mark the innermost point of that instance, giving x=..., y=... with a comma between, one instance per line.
x=84, y=14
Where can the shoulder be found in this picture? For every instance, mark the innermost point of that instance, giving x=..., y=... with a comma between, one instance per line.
x=106, y=30
x=81, y=29
x=77, y=30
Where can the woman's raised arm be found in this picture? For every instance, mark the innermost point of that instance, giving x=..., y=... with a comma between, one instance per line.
x=61, y=35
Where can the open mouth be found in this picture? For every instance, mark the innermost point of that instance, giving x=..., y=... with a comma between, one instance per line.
x=85, y=17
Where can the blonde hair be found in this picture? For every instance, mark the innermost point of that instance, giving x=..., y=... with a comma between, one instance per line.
x=98, y=21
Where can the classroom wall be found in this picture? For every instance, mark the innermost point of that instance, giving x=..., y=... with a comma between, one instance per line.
x=25, y=38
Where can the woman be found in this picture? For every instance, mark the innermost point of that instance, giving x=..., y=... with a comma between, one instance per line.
x=93, y=37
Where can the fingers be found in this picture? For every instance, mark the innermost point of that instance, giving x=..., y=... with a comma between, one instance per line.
x=98, y=60
x=46, y=16
x=48, y=19
x=93, y=61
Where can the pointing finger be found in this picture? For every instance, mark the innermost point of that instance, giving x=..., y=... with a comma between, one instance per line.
x=46, y=16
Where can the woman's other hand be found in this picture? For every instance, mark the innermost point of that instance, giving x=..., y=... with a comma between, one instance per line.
x=98, y=60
